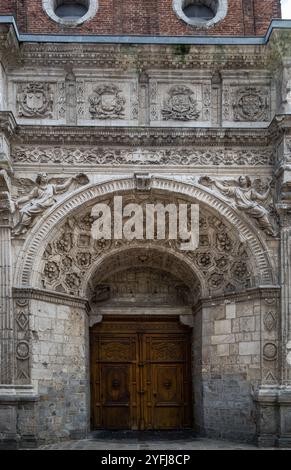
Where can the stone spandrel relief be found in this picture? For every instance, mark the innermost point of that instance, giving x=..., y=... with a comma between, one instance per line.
x=35, y=100
x=107, y=102
x=37, y=196
x=254, y=198
x=180, y=105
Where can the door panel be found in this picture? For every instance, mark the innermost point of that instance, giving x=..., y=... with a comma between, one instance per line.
x=140, y=379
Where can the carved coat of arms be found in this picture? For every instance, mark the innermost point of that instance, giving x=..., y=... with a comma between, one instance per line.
x=251, y=104
x=35, y=100
x=107, y=102
x=180, y=105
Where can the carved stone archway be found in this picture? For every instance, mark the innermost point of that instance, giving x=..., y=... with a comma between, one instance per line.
x=29, y=261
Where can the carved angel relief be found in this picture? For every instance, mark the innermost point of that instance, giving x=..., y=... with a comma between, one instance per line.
x=41, y=196
x=107, y=102
x=180, y=105
x=35, y=100
x=253, y=198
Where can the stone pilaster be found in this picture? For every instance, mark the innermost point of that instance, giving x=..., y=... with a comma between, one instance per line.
x=6, y=308
x=144, y=117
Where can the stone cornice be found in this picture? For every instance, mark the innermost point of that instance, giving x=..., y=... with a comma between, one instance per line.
x=50, y=296
x=145, y=136
x=141, y=52
x=248, y=294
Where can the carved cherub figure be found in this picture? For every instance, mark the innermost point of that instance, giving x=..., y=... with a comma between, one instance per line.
x=41, y=197
x=245, y=197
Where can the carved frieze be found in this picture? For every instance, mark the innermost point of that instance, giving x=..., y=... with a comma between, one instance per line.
x=35, y=100
x=115, y=157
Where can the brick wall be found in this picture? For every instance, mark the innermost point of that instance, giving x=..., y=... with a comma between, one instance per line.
x=153, y=17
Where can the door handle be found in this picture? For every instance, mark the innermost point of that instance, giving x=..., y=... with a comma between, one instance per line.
x=154, y=394
x=141, y=392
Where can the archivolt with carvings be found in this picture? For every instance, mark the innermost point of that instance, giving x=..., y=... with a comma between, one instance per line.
x=221, y=260
x=48, y=228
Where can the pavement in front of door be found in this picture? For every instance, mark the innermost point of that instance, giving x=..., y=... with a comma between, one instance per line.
x=147, y=441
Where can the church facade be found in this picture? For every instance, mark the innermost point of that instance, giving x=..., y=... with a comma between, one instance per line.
x=156, y=103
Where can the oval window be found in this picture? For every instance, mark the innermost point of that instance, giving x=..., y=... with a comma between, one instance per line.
x=200, y=13
x=70, y=12
x=71, y=9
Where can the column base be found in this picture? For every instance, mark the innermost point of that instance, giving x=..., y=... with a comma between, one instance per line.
x=273, y=416
x=18, y=420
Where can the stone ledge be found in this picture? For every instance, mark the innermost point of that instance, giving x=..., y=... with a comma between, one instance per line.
x=17, y=393
x=50, y=296
x=273, y=395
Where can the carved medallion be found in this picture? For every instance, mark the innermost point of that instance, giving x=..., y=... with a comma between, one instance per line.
x=35, y=100
x=107, y=102
x=252, y=104
x=270, y=352
x=51, y=270
x=180, y=105
x=22, y=350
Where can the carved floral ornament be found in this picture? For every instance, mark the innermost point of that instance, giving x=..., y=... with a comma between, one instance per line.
x=35, y=100
x=91, y=155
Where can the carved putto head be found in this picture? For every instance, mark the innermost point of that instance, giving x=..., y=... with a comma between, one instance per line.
x=42, y=178
x=244, y=182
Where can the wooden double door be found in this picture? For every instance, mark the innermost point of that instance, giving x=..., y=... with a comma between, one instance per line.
x=140, y=375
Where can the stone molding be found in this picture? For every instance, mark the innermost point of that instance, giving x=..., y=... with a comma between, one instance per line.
x=249, y=294
x=145, y=136
x=17, y=393
x=40, y=235
x=51, y=297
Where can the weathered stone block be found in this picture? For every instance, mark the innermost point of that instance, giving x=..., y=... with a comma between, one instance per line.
x=222, y=327
x=249, y=348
